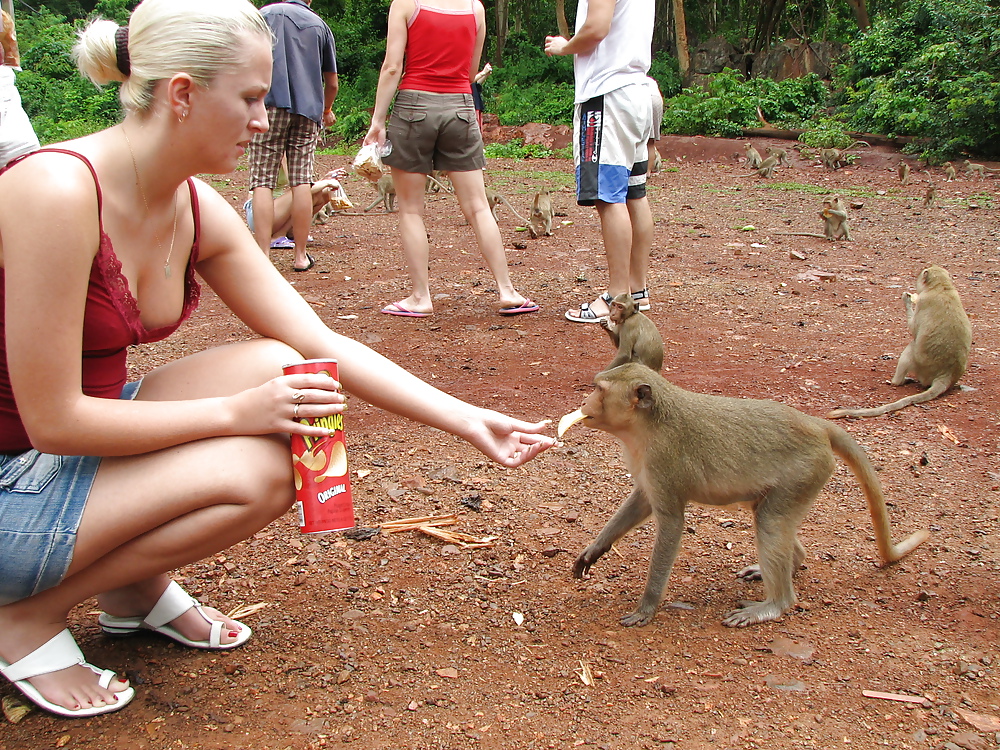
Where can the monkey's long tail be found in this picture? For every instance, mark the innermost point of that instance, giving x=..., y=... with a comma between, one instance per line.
x=854, y=456
x=939, y=386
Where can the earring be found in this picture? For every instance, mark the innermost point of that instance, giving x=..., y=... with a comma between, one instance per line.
x=182, y=116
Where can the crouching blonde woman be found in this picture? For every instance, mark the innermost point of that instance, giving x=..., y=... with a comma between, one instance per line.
x=105, y=485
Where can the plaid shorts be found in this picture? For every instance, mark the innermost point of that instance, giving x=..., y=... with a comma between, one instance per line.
x=610, y=133
x=292, y=136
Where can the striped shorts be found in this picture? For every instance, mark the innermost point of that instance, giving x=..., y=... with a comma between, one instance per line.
x=610, y=133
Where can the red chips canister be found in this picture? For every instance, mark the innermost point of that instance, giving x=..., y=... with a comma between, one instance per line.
x=319, y=465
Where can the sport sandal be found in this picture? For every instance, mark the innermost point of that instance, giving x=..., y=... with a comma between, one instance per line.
x=173, y=602
x=641, y=299
x=586, y=313
x=61, y=652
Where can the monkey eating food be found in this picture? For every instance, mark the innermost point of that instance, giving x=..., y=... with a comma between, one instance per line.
x=541, y=215
x=939, y=352
x=683, y=447
x=633, y=333
x=753, y=157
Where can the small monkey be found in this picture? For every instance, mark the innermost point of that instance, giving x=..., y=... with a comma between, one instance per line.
x=386, y=193
x=832, y=158
x=780, y=154
x=434, y=184
x=683, y=447
x=979, y=169
x=766, y=168
x=493, y=198
x=654, y=162
x=939, y=352
x=835, y=158
x=834, y=215
x=949, y=171
x=753, y=157
x=903, y=170
x=541, y=215
x=633, y=333
x=930, y=196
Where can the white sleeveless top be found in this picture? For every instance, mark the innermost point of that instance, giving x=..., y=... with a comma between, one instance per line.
x=623, y=56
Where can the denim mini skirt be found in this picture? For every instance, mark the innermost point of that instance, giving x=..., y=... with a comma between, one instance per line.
x=42, y=497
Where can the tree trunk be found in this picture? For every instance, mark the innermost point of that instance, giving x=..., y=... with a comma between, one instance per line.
x=680, y=36
x=561, y=19
x=860, y=9
x=501, y=16
x=767, y=23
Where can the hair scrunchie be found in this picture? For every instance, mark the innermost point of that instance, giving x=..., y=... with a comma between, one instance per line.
x=121, y=50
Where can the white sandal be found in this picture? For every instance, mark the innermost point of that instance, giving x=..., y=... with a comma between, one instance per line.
x=641, y=299
x=61, y=652
x=173, y=602
x=586, y=314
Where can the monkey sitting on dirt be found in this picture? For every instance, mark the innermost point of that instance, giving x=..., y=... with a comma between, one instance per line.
x=633, y=333
x=682, y=447
x=939, y=352
x=542, y=212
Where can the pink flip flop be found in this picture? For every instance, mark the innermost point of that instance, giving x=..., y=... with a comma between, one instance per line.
x=397, y=309
x=525, y=307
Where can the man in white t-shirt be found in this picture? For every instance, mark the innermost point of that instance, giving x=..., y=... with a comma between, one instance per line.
x=612, y=123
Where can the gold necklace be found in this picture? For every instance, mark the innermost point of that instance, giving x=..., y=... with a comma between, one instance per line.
x=142, y=194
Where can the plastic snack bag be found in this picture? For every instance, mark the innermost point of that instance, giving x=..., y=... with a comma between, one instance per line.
x=368, y=162
x=339, y=200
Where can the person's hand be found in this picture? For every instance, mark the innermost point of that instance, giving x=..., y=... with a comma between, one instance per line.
x=510, y=442
x=554, y=45
x=329, y=119
x=277, y=405
x=376, y=134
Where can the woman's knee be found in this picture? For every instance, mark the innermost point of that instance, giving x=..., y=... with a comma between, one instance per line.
x=261, y=478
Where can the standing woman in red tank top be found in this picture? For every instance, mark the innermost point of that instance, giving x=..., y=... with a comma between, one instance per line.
x=433, y=126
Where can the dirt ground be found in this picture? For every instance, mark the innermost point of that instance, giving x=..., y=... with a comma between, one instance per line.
x=407, y=641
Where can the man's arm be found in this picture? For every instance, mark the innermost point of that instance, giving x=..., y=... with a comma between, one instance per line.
x=591, y=33
x=331, y=85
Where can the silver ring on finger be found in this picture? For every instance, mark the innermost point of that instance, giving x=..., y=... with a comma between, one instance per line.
x=295, y=411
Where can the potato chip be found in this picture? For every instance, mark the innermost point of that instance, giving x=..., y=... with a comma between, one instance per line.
x=338, y=462
x=568, y=420
x=298, y=478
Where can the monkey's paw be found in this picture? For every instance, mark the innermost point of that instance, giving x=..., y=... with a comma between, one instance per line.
x=581, y=567
x=636, y=619
x=750, y=573
x=752, y=613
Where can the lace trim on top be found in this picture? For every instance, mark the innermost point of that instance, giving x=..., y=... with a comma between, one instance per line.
x=121, y=294
x=110, y=268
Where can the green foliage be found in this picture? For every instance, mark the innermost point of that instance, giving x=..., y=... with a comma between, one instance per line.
x=517, y=149
x=61, y=103
x=826, y=132
x=729, y=103
x=934, y=73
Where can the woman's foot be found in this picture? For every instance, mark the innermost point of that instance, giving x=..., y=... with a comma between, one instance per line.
x=411, y=307
x=591, y=312
x=126, y=609
x=73, y=688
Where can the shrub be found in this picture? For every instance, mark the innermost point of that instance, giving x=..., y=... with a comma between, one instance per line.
x=933, y=73
x=729, y=103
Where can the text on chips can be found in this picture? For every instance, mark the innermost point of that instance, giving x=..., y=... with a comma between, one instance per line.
x=319, y=465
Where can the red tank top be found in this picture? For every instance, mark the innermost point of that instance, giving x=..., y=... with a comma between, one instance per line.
x=111, y=323
x=439, y=46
